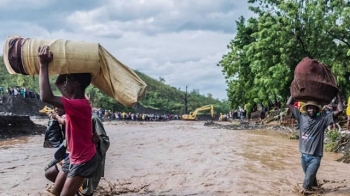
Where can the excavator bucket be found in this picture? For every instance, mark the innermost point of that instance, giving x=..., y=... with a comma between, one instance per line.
x=46, y=110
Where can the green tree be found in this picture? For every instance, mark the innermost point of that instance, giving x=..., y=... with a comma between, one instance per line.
x=260, y=64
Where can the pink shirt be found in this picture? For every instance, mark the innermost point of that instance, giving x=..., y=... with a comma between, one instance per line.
x=79, y=130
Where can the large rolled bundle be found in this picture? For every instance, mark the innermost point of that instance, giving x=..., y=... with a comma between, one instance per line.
x=313, y=80
x=108, y=74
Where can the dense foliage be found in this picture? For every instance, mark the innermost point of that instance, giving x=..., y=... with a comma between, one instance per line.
x=158, y=95
x=262, y=57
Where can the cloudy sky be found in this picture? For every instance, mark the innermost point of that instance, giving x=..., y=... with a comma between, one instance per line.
x=179, y=40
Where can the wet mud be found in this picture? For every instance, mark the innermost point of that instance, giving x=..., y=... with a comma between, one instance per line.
x=181, y=158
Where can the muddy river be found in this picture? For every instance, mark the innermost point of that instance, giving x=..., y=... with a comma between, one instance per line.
x=181, y=158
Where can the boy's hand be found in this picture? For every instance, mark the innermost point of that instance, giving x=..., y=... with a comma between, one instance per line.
x=45, y=56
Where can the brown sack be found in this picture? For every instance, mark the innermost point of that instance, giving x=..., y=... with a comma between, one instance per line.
x=108, y=74
x=313, y=80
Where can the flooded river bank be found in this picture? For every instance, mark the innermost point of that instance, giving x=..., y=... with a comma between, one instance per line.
x=180, y=158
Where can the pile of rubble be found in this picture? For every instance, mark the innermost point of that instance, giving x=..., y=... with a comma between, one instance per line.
x=15, y=115
x=14, y=125
x=237, y=126
x=250, y=126
x=21, y=106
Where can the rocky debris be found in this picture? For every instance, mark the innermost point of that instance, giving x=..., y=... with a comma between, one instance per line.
x=21, y=106
x=324, y=186
x=292, y=132
x=240, y=126
x=15, y=112
x=254, y=126
x=344, y=142
x=6, y=114
x=13, y=125
x=107, y=188
x=345, y=158
x=342, y=145
x=121, y=187
x=255, y=115
x=338, y=142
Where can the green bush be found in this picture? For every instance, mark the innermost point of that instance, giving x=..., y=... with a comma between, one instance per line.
x=333, y=135
x=331, y=147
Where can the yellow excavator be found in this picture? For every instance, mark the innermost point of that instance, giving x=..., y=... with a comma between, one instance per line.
x=46, y=110
x=193, y=115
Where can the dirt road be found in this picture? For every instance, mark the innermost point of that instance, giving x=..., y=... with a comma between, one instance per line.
x=180, y=158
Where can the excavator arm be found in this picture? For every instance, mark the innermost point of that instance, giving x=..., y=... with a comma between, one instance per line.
x=193, y=115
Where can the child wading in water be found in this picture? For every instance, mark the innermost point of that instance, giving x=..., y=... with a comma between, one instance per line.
x=83, y=158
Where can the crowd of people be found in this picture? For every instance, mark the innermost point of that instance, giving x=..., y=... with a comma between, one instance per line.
x=107, y=115
x=19, y=91
x=242, y=114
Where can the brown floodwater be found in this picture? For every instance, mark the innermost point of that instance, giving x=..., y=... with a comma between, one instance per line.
x=181, y=158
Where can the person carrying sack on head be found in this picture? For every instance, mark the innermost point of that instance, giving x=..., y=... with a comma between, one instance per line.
x=311, y=136
x=83, y=157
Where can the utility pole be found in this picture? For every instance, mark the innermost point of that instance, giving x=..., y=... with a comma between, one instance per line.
x=185, y=101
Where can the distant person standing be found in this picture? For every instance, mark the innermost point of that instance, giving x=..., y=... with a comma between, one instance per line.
x=262, y=114
x=243, y=113
x=15, y=92
x=348, y=114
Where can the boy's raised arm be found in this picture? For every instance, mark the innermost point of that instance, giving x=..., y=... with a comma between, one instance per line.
x=45, y=56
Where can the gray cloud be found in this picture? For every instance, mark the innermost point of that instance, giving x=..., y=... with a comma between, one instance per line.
x=50, y=14
x=179, y=40
x=156, y=16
